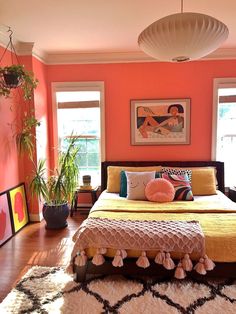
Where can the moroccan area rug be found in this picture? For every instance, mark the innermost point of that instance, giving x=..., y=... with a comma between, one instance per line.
x=51, y=290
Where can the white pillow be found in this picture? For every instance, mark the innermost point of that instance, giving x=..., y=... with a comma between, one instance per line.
x=136, y=184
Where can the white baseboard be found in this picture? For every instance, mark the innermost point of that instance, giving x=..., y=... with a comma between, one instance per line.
x=36, y=217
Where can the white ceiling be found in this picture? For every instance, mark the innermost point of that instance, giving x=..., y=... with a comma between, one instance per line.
x=103, y=27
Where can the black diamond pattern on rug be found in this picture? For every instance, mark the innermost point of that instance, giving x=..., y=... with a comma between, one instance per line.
x=51, y=290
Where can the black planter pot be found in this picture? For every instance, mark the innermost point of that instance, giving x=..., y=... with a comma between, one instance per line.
x=12, y=80
x=56, y=215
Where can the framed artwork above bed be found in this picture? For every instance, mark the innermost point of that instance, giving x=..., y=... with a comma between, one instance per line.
x=160, y=122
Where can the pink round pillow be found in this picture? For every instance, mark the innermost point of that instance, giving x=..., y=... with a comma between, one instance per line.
x=160, y=190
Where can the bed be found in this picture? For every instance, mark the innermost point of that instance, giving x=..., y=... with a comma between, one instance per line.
x=215, y=213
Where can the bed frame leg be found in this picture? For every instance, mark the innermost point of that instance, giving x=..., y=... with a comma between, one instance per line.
x=80, y=273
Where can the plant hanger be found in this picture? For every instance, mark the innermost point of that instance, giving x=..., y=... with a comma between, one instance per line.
x=15, y=75
x=5, y=77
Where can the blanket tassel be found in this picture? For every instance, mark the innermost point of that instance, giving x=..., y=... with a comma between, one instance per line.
x=208, y=263
x=123, y=253
x=200, y=267
x=168, y=263
x=179, y=272
x=143, y=260
x=118, y=259
x=98, y=258
x=159, y=259
x=187, y=263
x=81, y=258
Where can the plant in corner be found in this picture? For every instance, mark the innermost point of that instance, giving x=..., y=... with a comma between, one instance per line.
x=14, y=76
x=57, y=190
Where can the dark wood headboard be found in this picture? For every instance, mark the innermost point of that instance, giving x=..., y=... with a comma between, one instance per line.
x=217, y=164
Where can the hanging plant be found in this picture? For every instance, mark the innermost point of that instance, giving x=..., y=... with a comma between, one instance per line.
x=16, y=76
x=25, y=138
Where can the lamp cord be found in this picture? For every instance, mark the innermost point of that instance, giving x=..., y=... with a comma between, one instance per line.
x=182, y=6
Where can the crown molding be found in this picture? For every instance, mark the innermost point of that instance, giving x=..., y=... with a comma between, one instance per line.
x=123, y=57
x=24, y=48
x=92, y=58
x=29, y=48
x=222, y=54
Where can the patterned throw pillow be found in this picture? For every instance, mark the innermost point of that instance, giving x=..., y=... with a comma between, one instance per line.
x=136, y=184
x=123, y=182
x=182, y=186
x=177, y=171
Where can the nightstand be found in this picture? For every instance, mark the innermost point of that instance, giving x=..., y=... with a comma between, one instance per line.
x=92, y=192
x=232, y=194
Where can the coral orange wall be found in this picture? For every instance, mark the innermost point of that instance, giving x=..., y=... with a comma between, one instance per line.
x=41, y=109
x=124, y=82
x=41, y=114
x=11, y=166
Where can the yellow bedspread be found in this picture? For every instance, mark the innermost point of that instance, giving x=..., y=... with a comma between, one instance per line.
x=217, y=218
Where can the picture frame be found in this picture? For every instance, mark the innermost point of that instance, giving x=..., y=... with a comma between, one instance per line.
x=160, y=121
x=18, y=207
x=6, y=227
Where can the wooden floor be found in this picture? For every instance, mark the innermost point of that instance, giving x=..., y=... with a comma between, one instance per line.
x=34, y=245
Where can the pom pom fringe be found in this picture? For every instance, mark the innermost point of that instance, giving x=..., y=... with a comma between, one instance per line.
x=98, y=259
x=81, y=258
x=159, y=259
x=187, y=263
x=118, y=260
x=123, y=253
x=200, y=267
x=168, y=263
x=179, y=272
x=208, y=263
x=143, y=260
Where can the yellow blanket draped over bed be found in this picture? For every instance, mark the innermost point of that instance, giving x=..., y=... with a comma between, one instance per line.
x=217, y=219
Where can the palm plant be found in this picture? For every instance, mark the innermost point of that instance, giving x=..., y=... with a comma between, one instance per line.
x=61, y=185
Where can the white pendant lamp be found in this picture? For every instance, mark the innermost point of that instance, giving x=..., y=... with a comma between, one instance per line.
x=183, y=37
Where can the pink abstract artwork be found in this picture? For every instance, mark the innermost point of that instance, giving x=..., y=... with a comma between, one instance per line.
x=5, y=220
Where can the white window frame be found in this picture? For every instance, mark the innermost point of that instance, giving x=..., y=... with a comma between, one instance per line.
x=78, y=86
x=218, y=83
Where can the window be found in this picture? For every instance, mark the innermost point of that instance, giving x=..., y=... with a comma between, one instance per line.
x=224, y=127
x=79, y=114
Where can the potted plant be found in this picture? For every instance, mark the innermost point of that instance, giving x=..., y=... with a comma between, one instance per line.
x=14, y=76
x=57, y=190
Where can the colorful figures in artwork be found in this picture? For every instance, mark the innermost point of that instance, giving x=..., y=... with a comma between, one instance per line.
x=19, y=206
x=171, y=121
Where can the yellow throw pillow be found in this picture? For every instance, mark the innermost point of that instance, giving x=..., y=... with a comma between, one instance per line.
x=204, y=181
x=113, y=175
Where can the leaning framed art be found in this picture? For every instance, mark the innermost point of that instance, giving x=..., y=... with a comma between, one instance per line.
x=18, y=206
x=160, y=122
x=6, y=230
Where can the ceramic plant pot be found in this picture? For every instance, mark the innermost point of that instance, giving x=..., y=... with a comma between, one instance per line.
x=56, y=215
